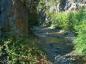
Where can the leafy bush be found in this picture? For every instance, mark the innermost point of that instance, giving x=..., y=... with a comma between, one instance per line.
x=80, y=17
x=80, y=27
x=80, y=41
x=24, y=51
x=59, y=20
x=64, y=20
x=67, y=20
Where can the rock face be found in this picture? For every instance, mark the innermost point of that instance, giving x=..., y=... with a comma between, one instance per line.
x=65, y=5
x=20, y=12
x=16, y=16
x=13, y=18
x=4, y=16
x=74, y=4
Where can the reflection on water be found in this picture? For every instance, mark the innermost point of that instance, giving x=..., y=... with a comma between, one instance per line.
x=55, y=40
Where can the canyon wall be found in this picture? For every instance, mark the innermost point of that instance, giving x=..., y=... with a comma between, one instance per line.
x=14, y=18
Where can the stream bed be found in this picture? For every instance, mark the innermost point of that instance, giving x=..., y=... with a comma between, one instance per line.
x=57, y=45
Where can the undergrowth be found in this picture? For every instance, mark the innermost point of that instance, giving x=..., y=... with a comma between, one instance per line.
x=23, y=51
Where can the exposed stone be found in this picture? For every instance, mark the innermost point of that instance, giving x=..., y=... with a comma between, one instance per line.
x=4, y=17
x=21, y=17
x=16, y=16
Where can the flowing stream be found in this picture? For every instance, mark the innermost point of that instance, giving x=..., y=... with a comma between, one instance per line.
x=57, y=44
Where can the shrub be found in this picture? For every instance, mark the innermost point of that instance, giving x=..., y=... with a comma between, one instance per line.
x=80, y=17
x=59, y=20
x=64, y=20
x=80, y=28
x=68, y=21
x=23, y=51
x=80, y=41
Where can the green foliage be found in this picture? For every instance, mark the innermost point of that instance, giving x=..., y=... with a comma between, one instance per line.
x=80, y=41
x=80, y=17
x=80, y=27
x=60, y=20
x=23, y=51
x=63, y=20
x=68, y=21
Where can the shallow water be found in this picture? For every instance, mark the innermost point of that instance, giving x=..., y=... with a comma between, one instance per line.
x=56, y=46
